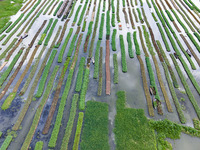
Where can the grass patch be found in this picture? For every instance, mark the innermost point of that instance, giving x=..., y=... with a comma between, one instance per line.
x=95, y=128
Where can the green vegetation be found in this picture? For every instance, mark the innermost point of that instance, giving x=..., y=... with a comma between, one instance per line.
x=140, y=15
x=39, y=110
x=107, y=24
x=71, y=47
x=48, y=8
x=8, y=9
x=84, y=89
x=82, y=13
x=129, y=122
x=118, y=18
x=113, y=40
x=14, y=23
x=193, y=41
x=194, y=6
x=72, y=9
x=60, y=57
x=148, y=3
x=76, y=15
x=173, y=77
x=163, y=37
x=39, y=145
x=113, y=6
x=190, y=6
x=70, y=122
x=123, y=54
x=6, y=142
x=5, y=27
x=141, y=2
x=135, y=15
x=84, y=26
x=123, y=3
x=50, y=33
x=95, y=129
x=2, y=37
x=45, y=31
x=96, y=65
x=55, y=12
x=113, y=20
x=137, y=48
x=115, y=68
x=154, y=17
x=101, y=27
x=104, y=6
x=169, y=15
x=100, y=73
x=187, y=88
x=45, y=74
x=196, y=123
x=6, y=73
x=78, y=131
x=80, y=74
x=130, y=45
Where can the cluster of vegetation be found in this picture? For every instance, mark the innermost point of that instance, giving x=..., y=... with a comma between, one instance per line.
x=137, y=48
x=100, y=72
x=45, y=74
x=101, y=26
x=187, y=88
x=15, y=23
x=78, y=130
x=196, y=123
x=5, y=27
x=194, y=6
x=148, y=3
x=2, y=37
x=193, y=41
x=107, y=24
x=84, y=89
x=71, y=47
x=55, y=12
x=123, y=3
x=123, y=54
x=140, y=15
x=84, y=26
x=96, y=65
x=46, y=10
x=113, y=20
x=95, y=128
x=70, y=122
x=80, y=74
x=39, y=110
x=154, y=17
x=130, y=45
x=104, y=6
x=189, y=5
x=60, y=56
x=6, y=142
x=118, y=18
x=76, y=15
x=82, y=13
x=39, y=145
x=45, y=31
x=115, y=68
x=50, y=33
x=130, y=122
x=113, y=40
x=6, y=73
x=141, y=2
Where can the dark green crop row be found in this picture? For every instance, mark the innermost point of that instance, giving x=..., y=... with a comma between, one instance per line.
x=169, y=15
x=60, y=56
x=50, y=33
x=39, y=111
x=48, y=8
x=45, y=31
x=79, y=79
x=84, y=26
x=141, y=2
x=90, y=28
x=115, y=68
x=140, y=15
x=113, y=6
x=123, y=54
x=45, y=74
x=76, y=15
x=68, y=129
x=167, y=22
x=104, y=6
x=6, y=142
x=152, y=77
x=113, y=40
x=130, y=45
x=5, y=27
x=95, y=126
x=84, y=89
x=163, y=37
x=15, y=23
x=2, y=37
x=154, y=17
x=82, y=13
x=173, y=77
x=148, y=3
x=72, y=45
x=123, y=2
x=193, y=41
x=78, y=131
x=190, y=6
x=195, y=7
x=197, y=36
x=55, y=12
x=39, y=145
x=137, y=48
x=101, y=26
x=107, y=24
x=6, y=73
x=113, y=20
x=187, y=88
x=96, y=65
x=118, y=18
